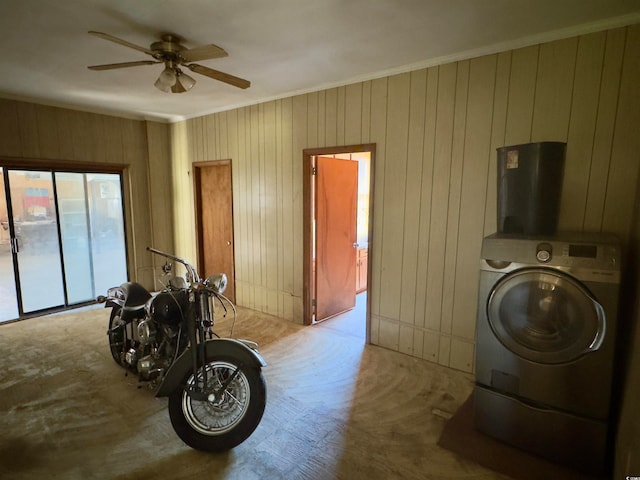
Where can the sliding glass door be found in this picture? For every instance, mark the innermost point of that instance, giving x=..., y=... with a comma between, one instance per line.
x=62, y=240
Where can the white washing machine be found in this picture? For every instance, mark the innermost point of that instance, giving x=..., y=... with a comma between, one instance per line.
x=545, y=344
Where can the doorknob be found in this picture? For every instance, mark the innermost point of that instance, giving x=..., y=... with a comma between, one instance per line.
x=228, y=244
x=356, y=244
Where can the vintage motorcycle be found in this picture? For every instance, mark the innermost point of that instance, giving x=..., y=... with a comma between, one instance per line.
x=216, y=389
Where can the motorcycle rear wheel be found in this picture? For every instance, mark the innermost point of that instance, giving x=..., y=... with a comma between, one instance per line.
x=220, y=423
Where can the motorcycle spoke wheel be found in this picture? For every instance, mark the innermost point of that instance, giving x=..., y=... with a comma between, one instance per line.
x=222, y=413
x=226, y=418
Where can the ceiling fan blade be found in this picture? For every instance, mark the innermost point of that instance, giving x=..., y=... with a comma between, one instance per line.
x=205, y=52
x=110, y=66
x=119, y=41
x=221, y=76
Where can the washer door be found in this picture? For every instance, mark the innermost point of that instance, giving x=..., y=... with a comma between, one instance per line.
x=545, y=316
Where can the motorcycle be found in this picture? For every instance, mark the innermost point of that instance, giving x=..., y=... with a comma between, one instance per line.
x=216, y=389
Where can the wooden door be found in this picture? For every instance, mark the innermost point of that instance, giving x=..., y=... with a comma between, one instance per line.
x=336, y=230
x=215, y=227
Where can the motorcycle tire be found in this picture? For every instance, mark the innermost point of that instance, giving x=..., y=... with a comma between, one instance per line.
x=222, y=423
x=117, y=336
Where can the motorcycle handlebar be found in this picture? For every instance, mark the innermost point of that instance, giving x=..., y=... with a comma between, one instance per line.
x=190, y=269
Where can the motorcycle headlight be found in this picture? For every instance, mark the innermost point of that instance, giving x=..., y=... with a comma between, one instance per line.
x=217, y=282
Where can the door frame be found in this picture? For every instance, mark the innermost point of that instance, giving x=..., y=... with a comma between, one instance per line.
x=308, y=215
x=197, y=203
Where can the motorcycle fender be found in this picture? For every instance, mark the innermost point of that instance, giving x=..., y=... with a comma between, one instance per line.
x=218, y=346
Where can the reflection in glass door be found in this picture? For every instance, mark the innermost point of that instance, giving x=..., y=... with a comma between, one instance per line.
x=8, y=297
x=62, y=240
x=37, y=248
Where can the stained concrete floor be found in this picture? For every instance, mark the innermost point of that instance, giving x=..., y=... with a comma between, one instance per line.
x=336, y=409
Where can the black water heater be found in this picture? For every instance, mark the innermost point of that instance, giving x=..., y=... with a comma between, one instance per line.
x=529, y=187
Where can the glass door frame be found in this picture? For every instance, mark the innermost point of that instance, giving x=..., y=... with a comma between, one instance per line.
x=54, y=167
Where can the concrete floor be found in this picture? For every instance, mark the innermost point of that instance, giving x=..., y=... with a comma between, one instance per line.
x=336, y=409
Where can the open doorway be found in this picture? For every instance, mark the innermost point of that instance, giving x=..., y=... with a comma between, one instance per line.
x=337, y=232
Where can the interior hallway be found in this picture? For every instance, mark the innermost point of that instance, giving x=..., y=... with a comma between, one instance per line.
x=336, y=409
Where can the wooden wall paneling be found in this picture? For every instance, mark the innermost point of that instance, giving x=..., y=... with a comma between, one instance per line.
x=311, y=119
x=322, y=118
x=299, y=141
x=455, y=191
x=462, y=355
x=279, y=206
x=331, y=117
x=243, y=180
x=605, y=128
x=262, y=217
x=65, y=135
x=223, y=140
x=366, y=112
x=288, y=180
x=395, y=174
x=10, y=139
x=254, y=206
x=340, y=119
x=28, y=124
x=412, y=194
x=378, y=126
x=498, y=129
x=426, y=192
x=522, y=87
x=248, y=253
x=473, y=193
x=625, y=153
x=440, y=194
x=48, y=132
x=272, y=212
x=232, y=153
x=582, y=125
x=554, y=86
x=114, y=129
x=353, y=114
x=161, y=207
x=181, y=190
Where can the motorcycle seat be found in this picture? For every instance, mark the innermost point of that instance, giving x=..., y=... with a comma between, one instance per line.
x=136, y=297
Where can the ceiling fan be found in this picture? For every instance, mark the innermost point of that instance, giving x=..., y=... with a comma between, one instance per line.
x=174, y=55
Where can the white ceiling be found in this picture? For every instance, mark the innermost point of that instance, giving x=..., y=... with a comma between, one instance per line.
x=283, y=47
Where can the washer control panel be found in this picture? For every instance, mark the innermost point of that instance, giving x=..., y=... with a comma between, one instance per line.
x=544, y=252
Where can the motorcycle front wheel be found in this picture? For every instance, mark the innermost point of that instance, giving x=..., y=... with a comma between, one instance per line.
x=228, y=416
x=117, y=335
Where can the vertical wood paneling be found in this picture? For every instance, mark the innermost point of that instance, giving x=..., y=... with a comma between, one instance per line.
x=586, y=86
x=440, y=194
x=340, y=119
x=393, y=206
x=300, y=141
x=625, y=153
x=554, y=86
x=10, y=139
x=605, y=128
x=498, y=129
x=412, y=194
x=522, y=85
x=436, y=132
x=426, y=195
x=378, y=125
x=473, y=193
x=455, y=186
x=353, y=114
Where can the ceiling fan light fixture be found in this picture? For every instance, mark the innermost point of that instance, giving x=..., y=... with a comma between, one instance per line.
x=166, y=80
x=185, y=80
